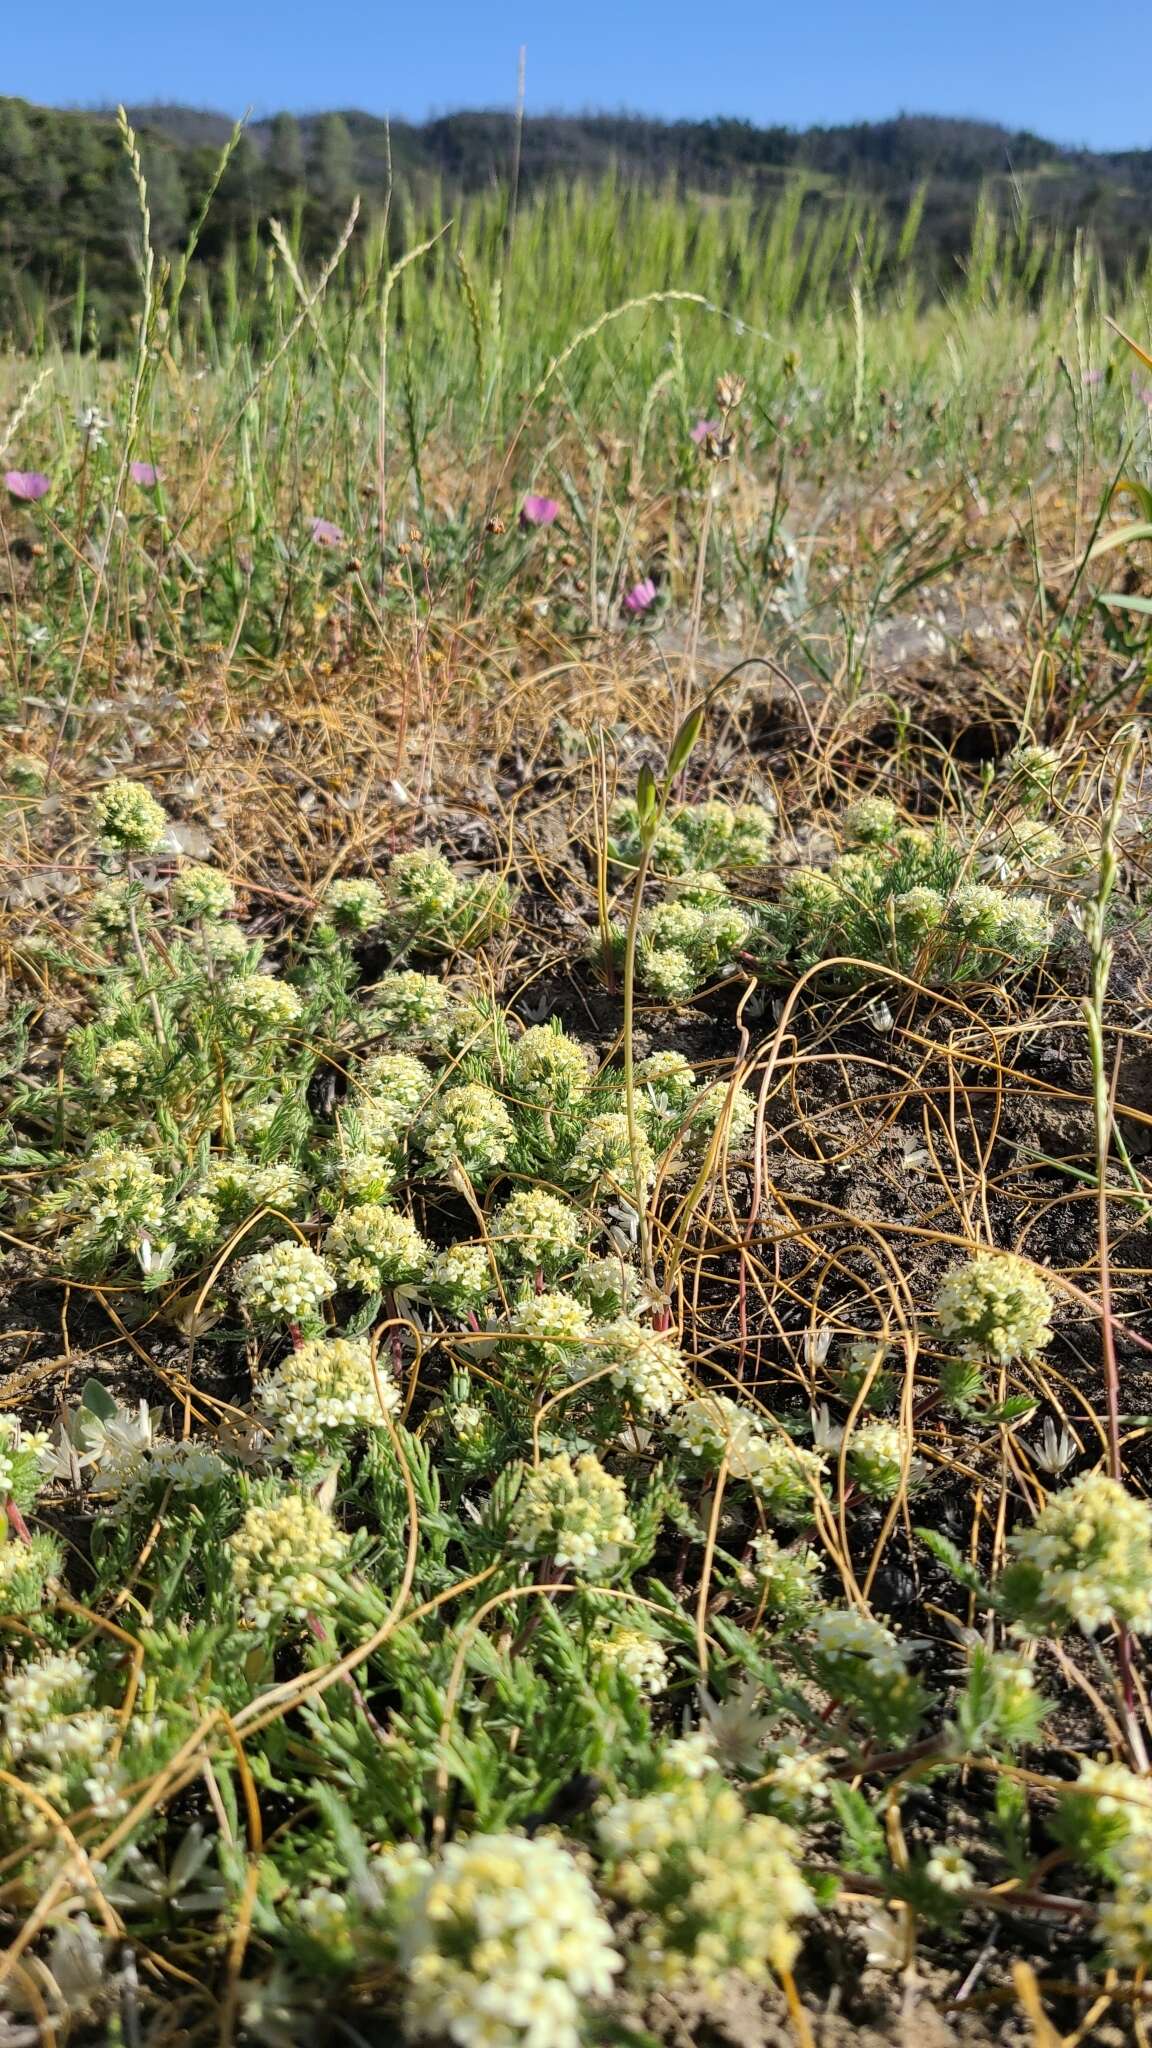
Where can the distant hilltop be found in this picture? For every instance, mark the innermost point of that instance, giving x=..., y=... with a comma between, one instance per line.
x=67, y=203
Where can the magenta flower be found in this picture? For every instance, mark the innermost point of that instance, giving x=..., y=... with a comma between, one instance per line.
x=641, y=596
x=30, y=485
x=325, y=534
x=145, y=474
x=538, y=511
x=702, y=429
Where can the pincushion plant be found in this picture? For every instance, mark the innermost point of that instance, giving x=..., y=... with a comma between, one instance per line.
x=457, y=1386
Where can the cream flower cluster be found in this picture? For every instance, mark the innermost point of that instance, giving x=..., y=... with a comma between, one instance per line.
x=406, y=1004
x=788, y=1578
x=127, y=1466
x=502, y=1941
x=59, y=1742
x=554, y=1326
x=23, y=1459
x=574, y=1512
x=1086, y=1561
x=871, y=821
x=353, y=904
x=237, y=1184
x=263, y=999
x=121, y=1197
x=862, y=1663
x=784, y=1475
x=641, y=1659
x=25, y=1569
x=683, y=944
x=373, y=1247
x=646, y=1364
x=288, y=1283
x=1124, y=1921
x=604, y=1153
x=199, y=891
x=128, y=817
x=878, y=1456
x=534, y=1228
x=120, y=1068
x=796, y=1781
x=396, y=1086
x=470, y=1130
x=719, y=1888
x=281, y=1554
x=327, y=1384
x=995, y=1306
x=548, y=1067
x=462, y=1276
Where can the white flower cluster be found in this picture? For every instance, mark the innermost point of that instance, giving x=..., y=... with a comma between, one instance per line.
x=24, y=1454
x=719, y=1888
x=59, y=1743
x=861, y=1662
x=1030, y=844
x=109, y=910
x=373, y=1247
x=461, y=1276
x=263, y=999
x=646, y=1364
x=534, y=1228
x=406, y=1004
x=846, y=1640
x=995, y=1306
x=574, y=1512
x=236, y=1184
x=501, y=1941
x=199, y=891
x=642, y=1660
x=878, y=1456
x=604, y=1153
x=784, y=1475
x=1123, y=1801
x=548, y=1067
x=25, y=1569
x=1124, y=1921
x=396, y=1085
x=120, y=1068
x=353, y=905
x=469, y=1131
x=121, y=1198
x=1086, y=1561
x=327, y=1384
x=871, y=821
x=788, y=1578
x=685, y=943
x=554, y=1326
x=282, y=1557
x=288, y=1283
x=128, y=1464
x=436, y=907
x=795, y=1781
x=361, y=1174
x=128, y=817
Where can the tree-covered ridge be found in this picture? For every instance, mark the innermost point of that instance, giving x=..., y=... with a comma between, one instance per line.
x=68, y=212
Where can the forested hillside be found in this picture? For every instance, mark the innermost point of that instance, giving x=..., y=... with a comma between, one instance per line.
x=68, y=212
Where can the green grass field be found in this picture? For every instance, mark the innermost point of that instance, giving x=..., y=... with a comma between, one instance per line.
x=577, y=1196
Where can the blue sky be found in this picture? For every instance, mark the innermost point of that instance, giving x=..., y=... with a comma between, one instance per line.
x=1076, y=73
